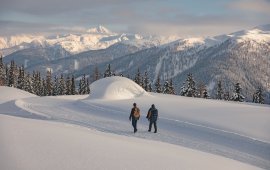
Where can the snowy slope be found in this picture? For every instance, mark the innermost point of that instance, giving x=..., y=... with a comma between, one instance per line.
x=237, y=131
x=10, y=93
x=33, y=144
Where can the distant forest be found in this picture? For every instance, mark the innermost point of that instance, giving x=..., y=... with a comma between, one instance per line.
x=14, y=76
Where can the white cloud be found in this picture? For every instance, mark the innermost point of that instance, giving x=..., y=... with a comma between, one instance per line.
x=259, y=6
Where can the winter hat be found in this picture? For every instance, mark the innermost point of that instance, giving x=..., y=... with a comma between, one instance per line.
x=134, y=104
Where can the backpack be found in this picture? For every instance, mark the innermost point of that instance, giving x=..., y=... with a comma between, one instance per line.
x=136, y=113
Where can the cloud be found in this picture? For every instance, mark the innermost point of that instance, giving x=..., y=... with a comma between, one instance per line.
x=14, y=27
x=179, y=17
x=53, y=7
x=258, y=6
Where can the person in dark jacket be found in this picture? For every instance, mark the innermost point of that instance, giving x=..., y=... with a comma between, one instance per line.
x=134, y=116
x=152, y=117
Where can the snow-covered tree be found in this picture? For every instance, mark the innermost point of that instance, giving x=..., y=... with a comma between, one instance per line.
x=150, y=87
x=28, y=84
x=172, y=91
x=219, y=91
x=108, y=71
x=258, y=96
x=84, y=85
x=43, y=87
x=37, y=83
x=158, y=86
x=201, y=89
x=96, y=74
x=237, y=96
x=73, y=86
x=68, y=86
x=166, y=88
x=138, y=78
x=49, y=84
x=227, y=95
x=55, y=86
x=189, y=89
x=62, y=86
x=12, y=75
x=2, y=73
x=146, y=82
x=87, y=87
x=21, y=79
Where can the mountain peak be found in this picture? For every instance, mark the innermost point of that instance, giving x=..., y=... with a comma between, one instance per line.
x=263, y=27
x=99, y=30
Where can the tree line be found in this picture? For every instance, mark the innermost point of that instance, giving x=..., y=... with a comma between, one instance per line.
x=13, y=76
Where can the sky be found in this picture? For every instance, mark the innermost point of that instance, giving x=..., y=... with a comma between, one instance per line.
x=186, y=18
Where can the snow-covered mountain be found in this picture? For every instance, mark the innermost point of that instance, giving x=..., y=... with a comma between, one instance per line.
x=93, y=39
x=243, y=57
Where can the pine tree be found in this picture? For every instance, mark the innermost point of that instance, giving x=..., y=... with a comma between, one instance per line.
x=37, y=84
x=137, y=78
x=21, y=79
x=237, y=96
x=62, y=86
x=80, y=90
x=146, y=82
x=201, y=89
x=84, y=85
x=189, y=88
x=108, y=72
x=12, y=75
x=172, y=91
x=227, y=95
x=7, y=74
x=49, y=84
x=150, y=87
x=158, y=85
x=220, y=91
x=258, y=96
x=43, y=87
x=87, y=87
x=28, y=84
x=96, y=73
x=166, y=88
x=68, y=86
x=2, y=73
x=73, y=86
x=55, y=86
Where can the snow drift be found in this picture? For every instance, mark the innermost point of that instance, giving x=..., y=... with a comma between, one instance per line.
x=115, y=88
x=10, y=93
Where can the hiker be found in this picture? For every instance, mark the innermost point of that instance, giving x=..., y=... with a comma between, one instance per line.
x=152, y=117
x=134, y=116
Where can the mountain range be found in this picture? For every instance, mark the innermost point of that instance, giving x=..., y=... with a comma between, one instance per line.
x=242, y=56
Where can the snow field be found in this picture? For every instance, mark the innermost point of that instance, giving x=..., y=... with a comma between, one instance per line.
x=222, y=130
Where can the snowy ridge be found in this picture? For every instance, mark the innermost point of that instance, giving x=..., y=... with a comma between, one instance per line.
x=93, y=39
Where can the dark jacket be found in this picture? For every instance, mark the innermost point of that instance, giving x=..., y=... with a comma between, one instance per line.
x=153, y=114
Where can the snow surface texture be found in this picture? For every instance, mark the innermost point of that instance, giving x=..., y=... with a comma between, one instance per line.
x=238, y=131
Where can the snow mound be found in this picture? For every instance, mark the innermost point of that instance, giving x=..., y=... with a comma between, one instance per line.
x=10, y=93
x=115, y=88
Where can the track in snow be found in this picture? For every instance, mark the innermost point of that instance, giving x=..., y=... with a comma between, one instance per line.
x=113, y=120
